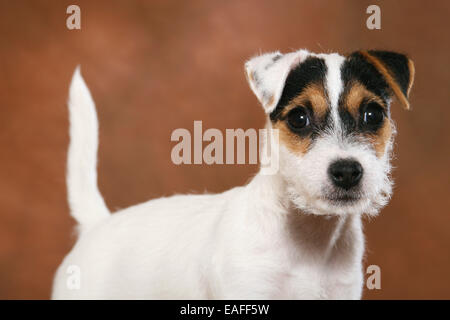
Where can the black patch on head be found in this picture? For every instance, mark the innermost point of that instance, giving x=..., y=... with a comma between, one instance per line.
x=356, y=67
x=309, y=71
x=398, y=66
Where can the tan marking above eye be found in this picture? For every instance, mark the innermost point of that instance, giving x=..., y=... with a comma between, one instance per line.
x=356, y=94
x=313, y=94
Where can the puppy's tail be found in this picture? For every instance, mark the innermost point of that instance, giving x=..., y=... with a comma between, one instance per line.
x=86, y=203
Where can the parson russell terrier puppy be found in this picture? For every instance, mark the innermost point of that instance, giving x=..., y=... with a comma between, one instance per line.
x=295, y=234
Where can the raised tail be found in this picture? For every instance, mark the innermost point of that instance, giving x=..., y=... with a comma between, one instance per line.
x=86, y=203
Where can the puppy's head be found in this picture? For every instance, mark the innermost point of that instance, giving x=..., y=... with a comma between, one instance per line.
x=335, y=130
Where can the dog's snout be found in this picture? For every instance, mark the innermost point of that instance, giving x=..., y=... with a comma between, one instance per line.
x=345, y=173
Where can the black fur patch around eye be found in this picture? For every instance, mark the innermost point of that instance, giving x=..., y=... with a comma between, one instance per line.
x=348, y=122
x=312, y=70
x=370, y=127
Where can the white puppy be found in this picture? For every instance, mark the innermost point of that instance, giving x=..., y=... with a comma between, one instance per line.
x=294, y=234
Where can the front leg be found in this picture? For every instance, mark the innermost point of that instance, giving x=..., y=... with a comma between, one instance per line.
x=249, y=284
x=348, y=287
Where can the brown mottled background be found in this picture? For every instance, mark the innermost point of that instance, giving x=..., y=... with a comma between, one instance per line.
x=154, y=66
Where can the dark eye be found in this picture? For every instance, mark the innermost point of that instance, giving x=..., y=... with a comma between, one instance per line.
x=298, y=118
x=373, y=115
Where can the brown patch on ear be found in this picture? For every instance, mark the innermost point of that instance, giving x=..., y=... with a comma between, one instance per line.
x=378, y=64
x=381, y=138
x=250, y=76
x=296, y=144
x=313, y=94
x=412, y=72
x=355, y=95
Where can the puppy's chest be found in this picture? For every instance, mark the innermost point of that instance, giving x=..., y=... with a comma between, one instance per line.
x=328, y=274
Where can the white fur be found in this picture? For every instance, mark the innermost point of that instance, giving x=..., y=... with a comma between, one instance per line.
x=333, y=83
x=275, y=238
x=83, y=192
x=266, y=76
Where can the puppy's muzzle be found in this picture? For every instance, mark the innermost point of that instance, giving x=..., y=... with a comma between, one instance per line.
x=345, y=173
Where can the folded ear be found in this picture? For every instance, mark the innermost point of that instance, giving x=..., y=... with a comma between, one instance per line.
x=267, y=74
x=397, y=69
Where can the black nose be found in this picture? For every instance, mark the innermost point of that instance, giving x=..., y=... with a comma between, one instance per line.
x=345, y=173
